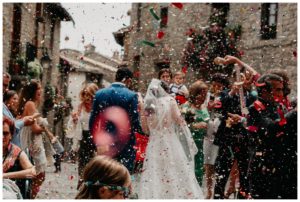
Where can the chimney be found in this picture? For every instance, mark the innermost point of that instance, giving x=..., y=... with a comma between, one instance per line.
x=116, y=55
x=89, y=49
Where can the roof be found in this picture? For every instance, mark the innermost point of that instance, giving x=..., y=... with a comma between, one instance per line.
x=56, y=10
x=80, y=67
x=89, y=64
x=95, y=54
x=120, y=34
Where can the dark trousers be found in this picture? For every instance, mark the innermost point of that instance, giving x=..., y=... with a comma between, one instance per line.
x=57, y=161
x=264, y=181
x=272, y=181
x=224, y=162
x=85, y=154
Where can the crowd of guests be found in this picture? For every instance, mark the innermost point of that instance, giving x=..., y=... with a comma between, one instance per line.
x=28, y=144
x=258, y=141
x=239, y=129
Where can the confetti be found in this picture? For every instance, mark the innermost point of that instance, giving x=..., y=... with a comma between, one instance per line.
x=242, y=10
x=153, y=13
x=148, y=43
x=137, y=74
x=178, y=5
x=190, y=32
x=184, y=69
x=160, y=34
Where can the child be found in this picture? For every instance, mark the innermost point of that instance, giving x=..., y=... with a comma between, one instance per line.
x=178, y=89
x=104, y=178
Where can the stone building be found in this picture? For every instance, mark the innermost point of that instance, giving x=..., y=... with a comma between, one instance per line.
x=277, y=49
x=31, y=36
x=32, y=30
x=80, y=68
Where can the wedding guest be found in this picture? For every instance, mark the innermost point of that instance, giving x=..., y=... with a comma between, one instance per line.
x=78, y=128
x=104, y=178
x=197, y=117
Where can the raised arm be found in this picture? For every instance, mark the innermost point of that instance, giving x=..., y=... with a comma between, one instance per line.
x=231, y=60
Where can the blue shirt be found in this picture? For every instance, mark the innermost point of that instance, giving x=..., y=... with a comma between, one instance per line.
x=19, y=124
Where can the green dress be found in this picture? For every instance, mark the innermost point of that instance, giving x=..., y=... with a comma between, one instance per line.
x=192, y=116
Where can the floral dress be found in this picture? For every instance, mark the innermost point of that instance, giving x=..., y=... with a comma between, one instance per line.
x=192, y=116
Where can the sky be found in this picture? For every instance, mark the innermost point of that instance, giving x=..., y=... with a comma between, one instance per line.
x=95, y=22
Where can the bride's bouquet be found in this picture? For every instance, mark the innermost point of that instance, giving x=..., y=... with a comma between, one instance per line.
x=189, y=114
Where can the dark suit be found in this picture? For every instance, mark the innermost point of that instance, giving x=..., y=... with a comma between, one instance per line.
x=273, y=168
x=233, y=145
x=120, y=96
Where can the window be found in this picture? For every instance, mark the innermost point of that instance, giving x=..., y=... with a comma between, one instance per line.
x=38, y=11
x=139, y=13
x=269, y=13
x=163, y=17
x=16, y=34
x=31, y=52
x=94, y=78
x=161, y=65
x=38, y=18
x=219, y=13
x=16, y=63
x=136, y=66
x=52, y=26
x=136, y=62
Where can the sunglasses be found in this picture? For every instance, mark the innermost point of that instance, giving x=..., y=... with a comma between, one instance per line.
x=6, y=133
x=125, y=190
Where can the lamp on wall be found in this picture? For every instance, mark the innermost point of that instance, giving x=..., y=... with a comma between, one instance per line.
x=45, y=60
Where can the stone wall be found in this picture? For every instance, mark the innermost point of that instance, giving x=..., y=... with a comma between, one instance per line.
x=268, y=54
x=104, y=59
x=27, y=33
x=261, y=54
x=7, y=30
x=172, y=44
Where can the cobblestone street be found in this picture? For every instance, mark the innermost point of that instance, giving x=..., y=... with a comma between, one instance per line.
x=60, y=185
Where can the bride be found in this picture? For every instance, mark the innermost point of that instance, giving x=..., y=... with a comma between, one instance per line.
x=168, y=171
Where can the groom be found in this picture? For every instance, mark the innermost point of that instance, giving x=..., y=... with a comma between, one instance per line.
x=114, y=120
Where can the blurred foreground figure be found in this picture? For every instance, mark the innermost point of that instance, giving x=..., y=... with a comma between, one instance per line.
x=114, y=120
x=105, y=178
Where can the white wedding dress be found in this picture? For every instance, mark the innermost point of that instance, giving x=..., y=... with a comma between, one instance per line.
x=168, y=171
